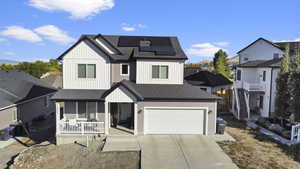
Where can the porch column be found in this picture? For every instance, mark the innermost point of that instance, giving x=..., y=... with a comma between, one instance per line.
x=57, y=106
x=135, y=118
x=106, y=123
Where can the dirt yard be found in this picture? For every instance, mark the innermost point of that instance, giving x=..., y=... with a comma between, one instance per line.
x=253, y=150
x=73, y=156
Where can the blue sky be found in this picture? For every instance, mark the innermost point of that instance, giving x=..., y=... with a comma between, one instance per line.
x=43, y=29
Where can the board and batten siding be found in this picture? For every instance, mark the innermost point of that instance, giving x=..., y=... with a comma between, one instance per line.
x=86, y=53
x=144, y=72
x=120, y=95
x=261, y=50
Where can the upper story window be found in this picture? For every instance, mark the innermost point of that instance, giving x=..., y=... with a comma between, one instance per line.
x=264, y=76
x=276, y=55
x=160, y=72
x=86, y=70
x=238, y=75
x=125, y=69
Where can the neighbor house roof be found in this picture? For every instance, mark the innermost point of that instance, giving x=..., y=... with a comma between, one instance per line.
x=164, y=91
x=17, y=86
x=262, y=63
x=269, y=42
x=78, y=94
x=54, y=79
x=126, y=48
x=191, y=70
x=207, y=78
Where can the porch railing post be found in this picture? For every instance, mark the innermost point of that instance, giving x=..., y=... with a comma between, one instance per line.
x=82, y=128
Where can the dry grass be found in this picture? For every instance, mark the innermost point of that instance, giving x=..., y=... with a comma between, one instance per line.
x=253, y=150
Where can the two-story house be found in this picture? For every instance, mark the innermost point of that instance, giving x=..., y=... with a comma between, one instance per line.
x=255, y=77
x=133, y=84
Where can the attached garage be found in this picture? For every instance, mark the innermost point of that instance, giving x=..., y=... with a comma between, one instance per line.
x=175, y=120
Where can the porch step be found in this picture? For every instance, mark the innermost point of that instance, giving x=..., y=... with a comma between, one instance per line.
x=120, y=143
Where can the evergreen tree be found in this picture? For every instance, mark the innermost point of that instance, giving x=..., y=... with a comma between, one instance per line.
x=220, y=64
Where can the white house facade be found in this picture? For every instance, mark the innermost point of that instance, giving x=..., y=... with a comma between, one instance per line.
x=132, y=85
x=255, y=79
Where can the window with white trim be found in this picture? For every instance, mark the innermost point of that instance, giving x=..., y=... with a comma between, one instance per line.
x=15, y=115
x=160, y=72
x=86, y=110
x=124, y=69
x=86, y=70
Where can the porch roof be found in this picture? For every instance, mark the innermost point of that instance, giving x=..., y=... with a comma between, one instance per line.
x=78, y=94
x=164, y=91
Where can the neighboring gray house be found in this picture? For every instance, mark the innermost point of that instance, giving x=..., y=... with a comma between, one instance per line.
x=210, y=82
x=23, y=98
x=129, y=83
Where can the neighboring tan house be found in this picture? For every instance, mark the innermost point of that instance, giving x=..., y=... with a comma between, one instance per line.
x=54, y=79
x=129, y=83
x=256, y=74
x=23, y=98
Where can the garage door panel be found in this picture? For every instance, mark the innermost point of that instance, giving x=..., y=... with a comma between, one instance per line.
x=174, y=121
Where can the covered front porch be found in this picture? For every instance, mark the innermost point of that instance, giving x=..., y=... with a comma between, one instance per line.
x=91, y=114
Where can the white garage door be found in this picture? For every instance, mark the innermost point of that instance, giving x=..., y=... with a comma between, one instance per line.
x=174, y=121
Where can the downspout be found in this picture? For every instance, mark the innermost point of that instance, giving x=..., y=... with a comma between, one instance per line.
x=270, y=101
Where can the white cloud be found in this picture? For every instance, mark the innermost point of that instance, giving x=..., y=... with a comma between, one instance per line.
x=2, y=39
x=128, y=28
x=223, y=44
x=21, y=33
x=203, y=49
x=78, y=9
x=54, y=34
x=9, y=53
x=295, y=40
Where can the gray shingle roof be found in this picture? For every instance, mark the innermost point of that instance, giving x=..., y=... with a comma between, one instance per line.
x=126, y=53
x=54, y=80
x=207, y=78
x=78, y=94
x=261, y=63
x=17, y=86
x=166, y=91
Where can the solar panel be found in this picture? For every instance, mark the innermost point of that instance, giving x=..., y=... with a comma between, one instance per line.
x=159, y=45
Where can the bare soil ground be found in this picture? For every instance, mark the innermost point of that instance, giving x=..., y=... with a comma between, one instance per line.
x=253, y=150
x=75, y=156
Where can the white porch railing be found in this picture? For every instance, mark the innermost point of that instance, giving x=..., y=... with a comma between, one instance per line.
x=80, y=127
x=250, y=86
x=295, y=133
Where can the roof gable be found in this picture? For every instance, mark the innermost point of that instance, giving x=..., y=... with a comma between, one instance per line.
x=267, y=41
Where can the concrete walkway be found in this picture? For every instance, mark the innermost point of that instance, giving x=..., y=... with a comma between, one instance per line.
x=182, y=152
x=173, y=151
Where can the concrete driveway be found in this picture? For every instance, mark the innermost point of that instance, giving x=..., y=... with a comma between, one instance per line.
x=182, y=152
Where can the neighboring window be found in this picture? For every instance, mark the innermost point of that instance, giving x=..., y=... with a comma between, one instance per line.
x=245, y=59
x=124, y=69
x=46, y=101
x=86, y=70
x=261, y=102
x=264, y=75
x=160, y=72
x=81, y=71
x=276, y=55
x=238, y=75
x=87, y=110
